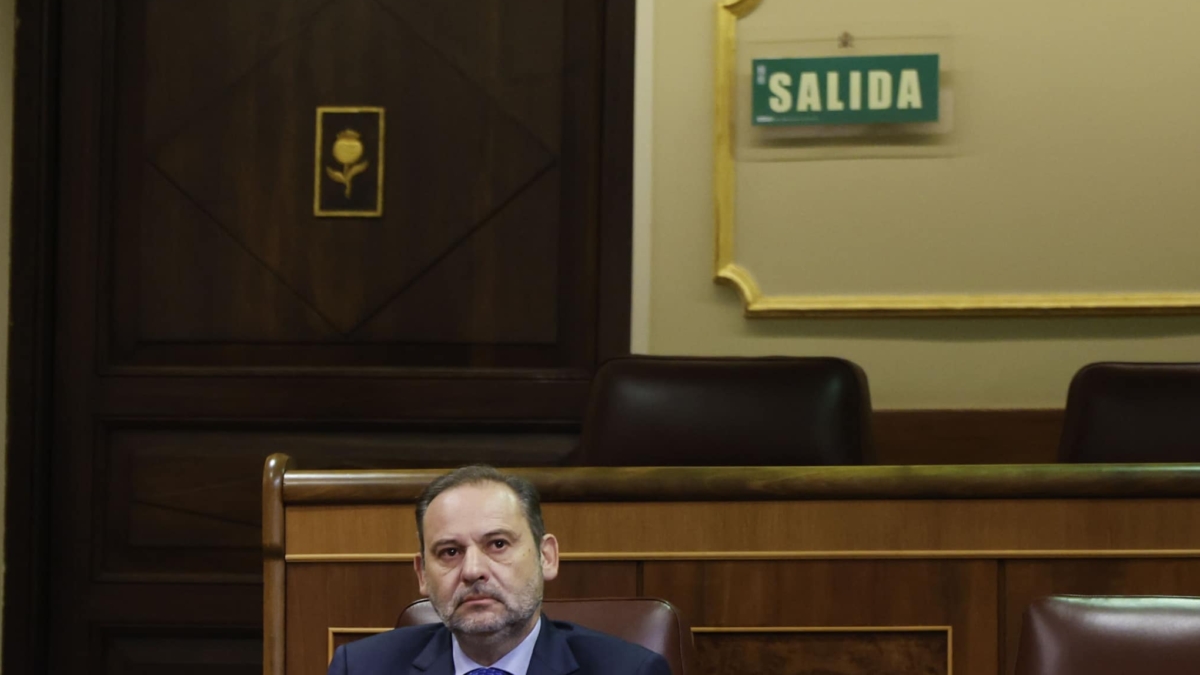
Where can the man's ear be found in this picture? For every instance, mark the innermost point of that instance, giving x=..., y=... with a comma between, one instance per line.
x=549, y=557
x=419, y=566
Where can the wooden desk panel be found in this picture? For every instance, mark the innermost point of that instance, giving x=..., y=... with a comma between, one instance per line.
x=340, y=595
x=867, y=599
x=883, y=528
x=852, y=570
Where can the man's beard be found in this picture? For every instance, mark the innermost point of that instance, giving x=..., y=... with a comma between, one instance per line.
x=517, y=611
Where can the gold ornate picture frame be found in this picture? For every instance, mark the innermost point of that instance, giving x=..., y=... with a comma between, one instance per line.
x=757, y=303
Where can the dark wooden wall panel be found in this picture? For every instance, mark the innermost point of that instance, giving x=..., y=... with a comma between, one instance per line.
x=30, y=358
x=486, y=194
x=492, y=284
x=155, y=651
x=186, y=68
x=179, y=296
x=176, y=508
x=176, y=604
x=204, y=317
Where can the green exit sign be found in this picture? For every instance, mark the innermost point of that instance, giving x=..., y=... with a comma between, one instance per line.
x=846, y=90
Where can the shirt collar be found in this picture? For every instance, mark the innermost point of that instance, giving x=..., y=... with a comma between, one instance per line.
x=515, y=662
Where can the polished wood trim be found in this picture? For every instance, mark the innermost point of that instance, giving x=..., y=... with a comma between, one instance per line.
x=351, y=631
x=981, y=554
x=968, y=525
x=350, y=557
x=615, y=239
x=665, y=484
x=274, y=566
x=34, y=217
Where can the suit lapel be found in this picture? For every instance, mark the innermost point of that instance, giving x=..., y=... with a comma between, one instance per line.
x=437, y=657
x=551, y=653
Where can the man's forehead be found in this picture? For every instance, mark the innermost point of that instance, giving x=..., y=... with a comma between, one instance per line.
x=476, y=506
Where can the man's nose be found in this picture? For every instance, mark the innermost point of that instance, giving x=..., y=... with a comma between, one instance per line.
x=474, y=564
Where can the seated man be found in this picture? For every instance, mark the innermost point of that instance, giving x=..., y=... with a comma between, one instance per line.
x=484, y=557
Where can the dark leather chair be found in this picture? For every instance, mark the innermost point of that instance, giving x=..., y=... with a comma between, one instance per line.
x=651, y=623
x=688, y=411
x=1081, y=635
x=1133, y=412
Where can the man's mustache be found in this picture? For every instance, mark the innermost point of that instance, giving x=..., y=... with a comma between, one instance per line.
x=477, y=592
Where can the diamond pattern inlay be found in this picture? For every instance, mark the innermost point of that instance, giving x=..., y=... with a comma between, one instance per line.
x=180, y=64
x=453, y=157
x=523, y=75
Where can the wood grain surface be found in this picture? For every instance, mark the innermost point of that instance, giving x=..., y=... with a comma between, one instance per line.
x=654, y=484
x=864, y=652
x=937, y=528
x=822, y=577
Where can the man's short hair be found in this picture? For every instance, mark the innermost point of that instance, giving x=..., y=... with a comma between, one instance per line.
x=527, y=494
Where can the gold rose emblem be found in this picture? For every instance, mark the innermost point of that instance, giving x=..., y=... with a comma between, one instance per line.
x=347, y=149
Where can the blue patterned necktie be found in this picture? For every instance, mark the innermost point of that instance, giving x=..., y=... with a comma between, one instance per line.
x=488, y=671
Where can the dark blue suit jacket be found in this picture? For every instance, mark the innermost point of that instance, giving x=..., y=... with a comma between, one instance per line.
x=561, y=648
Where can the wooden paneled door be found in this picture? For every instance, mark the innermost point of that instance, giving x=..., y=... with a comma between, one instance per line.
x=203, y=317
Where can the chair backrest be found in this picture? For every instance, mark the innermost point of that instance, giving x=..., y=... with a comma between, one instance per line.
x=1133, y=412
x=649, y=622
x=688, y=411
x=1112, y=635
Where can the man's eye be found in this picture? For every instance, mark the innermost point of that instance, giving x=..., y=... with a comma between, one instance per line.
x=499, y=544
x=448, y=553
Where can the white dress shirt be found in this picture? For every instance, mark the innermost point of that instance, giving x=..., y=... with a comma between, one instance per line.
x=515, y=662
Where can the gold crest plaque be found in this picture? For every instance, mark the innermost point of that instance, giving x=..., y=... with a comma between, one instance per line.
x=349, y=162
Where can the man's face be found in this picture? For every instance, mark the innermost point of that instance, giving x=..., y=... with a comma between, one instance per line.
x=481, y=567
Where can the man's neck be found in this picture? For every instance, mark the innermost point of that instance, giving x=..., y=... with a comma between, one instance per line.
x=490, y=648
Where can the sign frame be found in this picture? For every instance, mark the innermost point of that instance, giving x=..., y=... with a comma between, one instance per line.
x=842, y=90
x=758, y=304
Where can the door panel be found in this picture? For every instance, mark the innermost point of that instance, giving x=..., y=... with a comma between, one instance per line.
x=491, y=166
x=204, y=317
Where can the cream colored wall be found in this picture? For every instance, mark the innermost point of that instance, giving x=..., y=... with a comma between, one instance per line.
x=911, y=362
x=7, y=37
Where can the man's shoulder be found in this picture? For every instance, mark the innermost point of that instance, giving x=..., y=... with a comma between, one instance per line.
x=401, y=645
x=596, y=647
